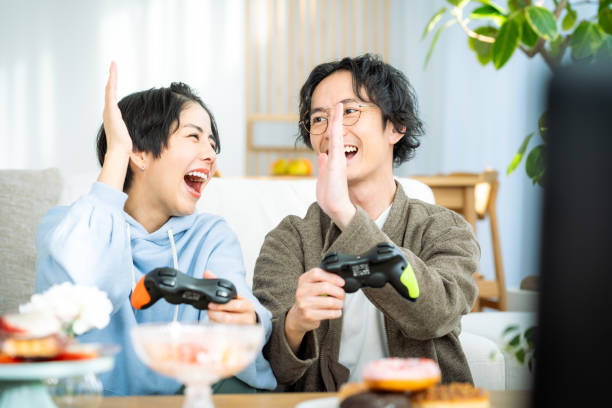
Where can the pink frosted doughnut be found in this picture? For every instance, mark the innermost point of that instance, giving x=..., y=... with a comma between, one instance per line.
x=401, y=374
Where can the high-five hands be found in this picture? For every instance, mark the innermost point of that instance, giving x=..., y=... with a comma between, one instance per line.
x=236, y=311
x=319, y=296
x=332, y=188
x=118, y=140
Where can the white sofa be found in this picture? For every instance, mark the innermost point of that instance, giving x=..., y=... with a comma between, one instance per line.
x=252, y=207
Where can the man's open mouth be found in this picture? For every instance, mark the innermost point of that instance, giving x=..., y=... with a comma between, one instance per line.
x=349, y=151
x=194, y=181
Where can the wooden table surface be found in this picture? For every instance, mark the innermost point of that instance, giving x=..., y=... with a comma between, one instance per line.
x=499, y=399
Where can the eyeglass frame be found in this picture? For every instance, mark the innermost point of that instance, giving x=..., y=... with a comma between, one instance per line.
x=361, y=109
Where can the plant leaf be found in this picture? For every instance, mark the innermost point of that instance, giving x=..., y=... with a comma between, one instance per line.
x=535, y=164
x=506, y=41
x=458, y=3
x=604, y=4
x=435, y=39
x=604, y=52
x=530, y=336
x=543, y=125
x=515, y=5
x=516, y=340
x=519, y=156
x=488, y=12
x=510, y=329
x=481, y=48
x=434, y=20
x=569, y=20
x=529, y=37
x=555, y=46
x=605, y=20
x=586, y=39
x=542, y=21
x=520, y=356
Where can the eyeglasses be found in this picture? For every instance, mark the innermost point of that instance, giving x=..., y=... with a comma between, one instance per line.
x=316, y=124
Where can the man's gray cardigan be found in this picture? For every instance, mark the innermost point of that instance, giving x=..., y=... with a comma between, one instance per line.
x=439, y=244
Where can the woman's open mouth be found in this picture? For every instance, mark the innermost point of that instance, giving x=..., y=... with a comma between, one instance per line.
x=194, y=181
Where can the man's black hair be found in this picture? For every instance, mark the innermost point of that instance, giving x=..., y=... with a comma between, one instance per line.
x=385, y=86
x=151, y=116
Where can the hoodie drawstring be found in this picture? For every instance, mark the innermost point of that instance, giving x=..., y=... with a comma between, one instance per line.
x=174, y=261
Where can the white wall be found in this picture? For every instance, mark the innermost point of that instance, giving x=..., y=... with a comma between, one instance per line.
x=54, y=58
x=54, y=64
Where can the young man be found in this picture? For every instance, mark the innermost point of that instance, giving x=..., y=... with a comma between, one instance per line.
x=359, y=115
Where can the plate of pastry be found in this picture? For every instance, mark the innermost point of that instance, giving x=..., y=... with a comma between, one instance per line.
x=403, y=383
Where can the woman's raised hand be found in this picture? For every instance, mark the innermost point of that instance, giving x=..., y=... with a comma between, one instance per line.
x=118, y=140
x=117, y=136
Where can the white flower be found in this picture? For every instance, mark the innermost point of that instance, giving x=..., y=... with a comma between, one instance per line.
x=78, y=308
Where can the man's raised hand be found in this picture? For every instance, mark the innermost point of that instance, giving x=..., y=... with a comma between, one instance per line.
x=332, y=187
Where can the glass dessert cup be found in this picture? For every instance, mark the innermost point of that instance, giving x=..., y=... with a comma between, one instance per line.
x=198, y=355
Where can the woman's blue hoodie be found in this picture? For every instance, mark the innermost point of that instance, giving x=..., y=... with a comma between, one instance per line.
x=87, y=244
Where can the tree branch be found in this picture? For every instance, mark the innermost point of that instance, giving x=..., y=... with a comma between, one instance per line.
x=484, y=38
x=562, y=4
x=562, y=49
x=550, y=61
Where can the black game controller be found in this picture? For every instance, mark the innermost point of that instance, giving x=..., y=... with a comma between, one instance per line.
x=177, y=287
x=373, y=269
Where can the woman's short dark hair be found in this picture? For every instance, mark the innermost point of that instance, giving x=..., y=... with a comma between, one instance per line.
x=385, y=86
x=151, y=116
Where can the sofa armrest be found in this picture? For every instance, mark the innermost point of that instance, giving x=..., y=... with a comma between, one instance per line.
x=485, y=360
x=491, y=326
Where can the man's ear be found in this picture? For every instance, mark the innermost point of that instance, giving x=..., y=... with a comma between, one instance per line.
x=394, y=135
x=138, y=161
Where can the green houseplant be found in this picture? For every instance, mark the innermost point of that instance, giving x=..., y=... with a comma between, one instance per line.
x=579, y=30
x=557, y=34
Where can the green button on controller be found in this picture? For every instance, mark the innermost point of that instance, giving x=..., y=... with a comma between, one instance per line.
x=409, y=280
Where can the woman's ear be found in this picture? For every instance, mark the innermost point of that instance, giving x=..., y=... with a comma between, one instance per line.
x=138, y=161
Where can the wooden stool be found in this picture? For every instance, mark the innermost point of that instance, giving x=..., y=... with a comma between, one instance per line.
x=474, y=196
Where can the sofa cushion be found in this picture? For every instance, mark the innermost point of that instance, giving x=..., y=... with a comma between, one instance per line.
x=25, y=196
x=253, y=207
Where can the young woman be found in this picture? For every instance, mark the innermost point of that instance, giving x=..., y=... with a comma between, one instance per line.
x=158, y=151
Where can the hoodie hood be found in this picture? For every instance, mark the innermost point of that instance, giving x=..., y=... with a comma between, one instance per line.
x=177, y=225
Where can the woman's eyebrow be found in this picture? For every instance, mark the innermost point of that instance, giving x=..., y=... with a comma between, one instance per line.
x=199, y=129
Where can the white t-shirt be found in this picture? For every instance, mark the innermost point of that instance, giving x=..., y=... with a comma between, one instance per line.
x=363, y=336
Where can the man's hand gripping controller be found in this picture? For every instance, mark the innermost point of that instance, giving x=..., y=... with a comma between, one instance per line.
x=373, y=269
x=177, y=287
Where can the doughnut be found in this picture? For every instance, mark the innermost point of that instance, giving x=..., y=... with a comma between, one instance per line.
x=453, y=395
x=401, y=374
x=376, y=399
x=351, y=388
